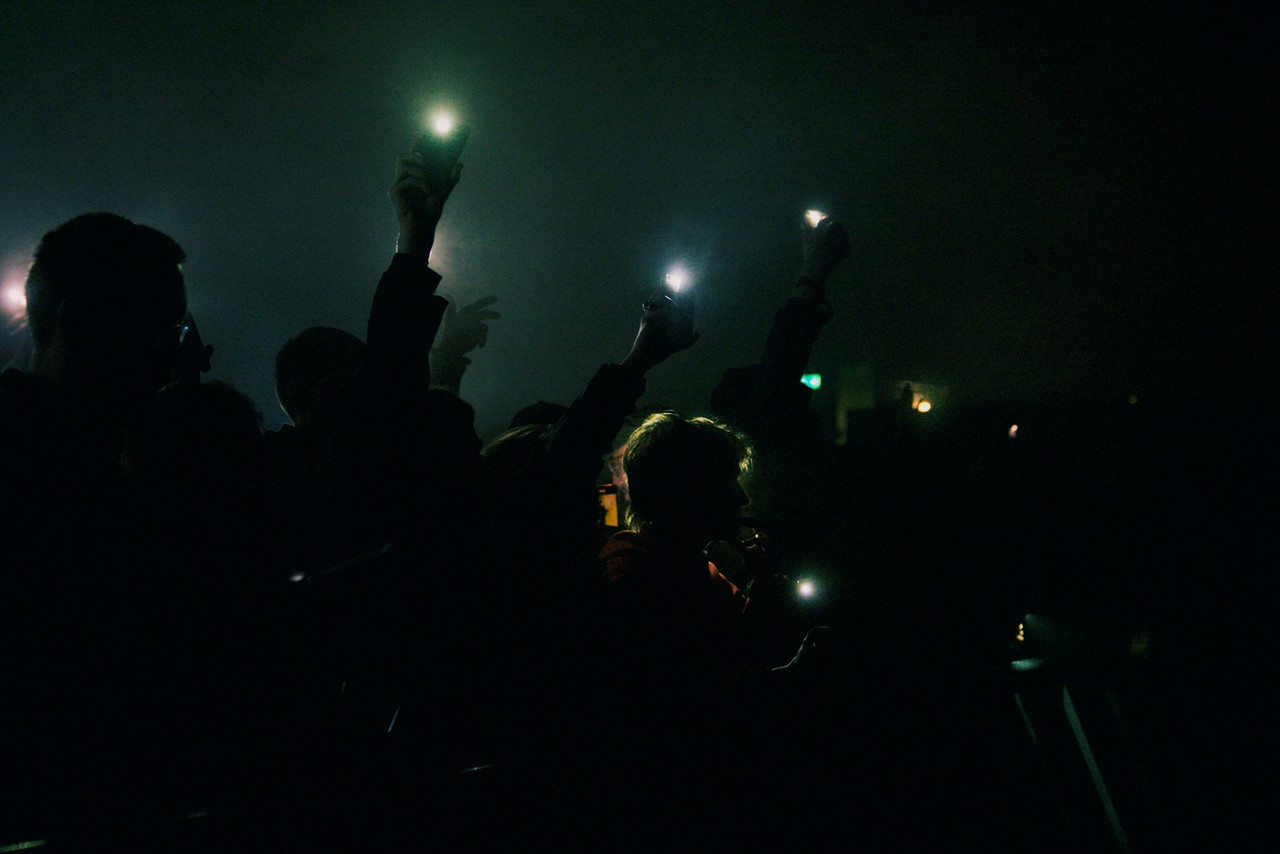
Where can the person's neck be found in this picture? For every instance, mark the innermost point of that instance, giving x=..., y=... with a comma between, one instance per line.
x=81, y=386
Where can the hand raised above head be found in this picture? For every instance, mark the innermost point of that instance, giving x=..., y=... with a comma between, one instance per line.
x=466, y=328
x=666, y=328
x=418, y=196
x=825, y=246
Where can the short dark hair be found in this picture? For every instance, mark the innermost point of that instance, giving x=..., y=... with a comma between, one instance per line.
x=543, y=413
x=318, y=353
x=668, y=458
x=114, y=266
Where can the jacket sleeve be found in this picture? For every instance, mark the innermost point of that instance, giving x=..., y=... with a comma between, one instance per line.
x=584, y=434
x=403, y=322
x=786, y=351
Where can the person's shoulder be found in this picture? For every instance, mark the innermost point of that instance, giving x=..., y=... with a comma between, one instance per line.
x=23, y=396
x=624, y=554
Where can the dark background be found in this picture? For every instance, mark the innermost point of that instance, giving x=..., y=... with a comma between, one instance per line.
x=1054, y=209
x=1048, y=203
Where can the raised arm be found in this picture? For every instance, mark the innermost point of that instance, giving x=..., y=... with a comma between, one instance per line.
x=406, y=313
x=797, y=324
x=585, y=433
x=765, y=398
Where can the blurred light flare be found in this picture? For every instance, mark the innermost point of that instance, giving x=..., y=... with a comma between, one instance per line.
x=443, y=123
x=806, y=589
x=14, y=298
x=814, y=217
x=1013, y=431
x=677, y=278
x=813, y=381
x=924, y=406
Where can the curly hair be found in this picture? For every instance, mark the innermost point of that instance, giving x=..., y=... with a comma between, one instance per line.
x=670, y=458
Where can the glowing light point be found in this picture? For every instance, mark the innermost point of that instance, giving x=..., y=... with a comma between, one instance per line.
x=677, y=279
x=924, y=406
x=443, y=124
x=14, y=298
x=814, y=217
x=1013, y=431
x=806, y=589
x=1133, y=398
x=813, y=381
x=298, y=576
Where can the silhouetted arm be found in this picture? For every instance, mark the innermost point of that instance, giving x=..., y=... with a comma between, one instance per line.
x=406, y=313
x=465, y=329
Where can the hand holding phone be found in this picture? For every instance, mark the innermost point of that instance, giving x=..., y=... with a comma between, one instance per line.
x=666, y=328
x=425, y=176
x=440, y=149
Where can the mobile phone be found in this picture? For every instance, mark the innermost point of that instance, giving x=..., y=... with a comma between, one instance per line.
x=608, y=494
x=442, y=150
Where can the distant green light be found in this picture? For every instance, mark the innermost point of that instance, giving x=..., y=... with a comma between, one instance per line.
x=813, y=381
x=23, y=846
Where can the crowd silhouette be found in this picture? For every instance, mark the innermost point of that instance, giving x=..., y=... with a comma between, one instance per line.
x=370, y=630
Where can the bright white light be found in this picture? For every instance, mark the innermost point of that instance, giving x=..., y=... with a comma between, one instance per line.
x=806, y=589
x=1013, y=431
x=14, y=298
x=443, y=124
x=924, y=406
x=298, y=576
x=814, y=217
x=677, y=279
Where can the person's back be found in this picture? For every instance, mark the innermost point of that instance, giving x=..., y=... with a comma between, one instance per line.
x=104, y=299
x=677, y=620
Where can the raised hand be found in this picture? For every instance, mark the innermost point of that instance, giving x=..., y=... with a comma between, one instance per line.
x=466, y=328
x=825, y=246
x=418, y=196
x=666, y=327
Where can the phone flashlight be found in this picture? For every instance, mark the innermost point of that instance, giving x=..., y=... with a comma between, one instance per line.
x=814, y=217
x=443, y=123
x=677, y=279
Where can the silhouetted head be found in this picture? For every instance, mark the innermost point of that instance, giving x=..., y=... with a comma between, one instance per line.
x=506, y=457
x=542, y=413
x=683, y=475
x=105, y=297
x=315, y=372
